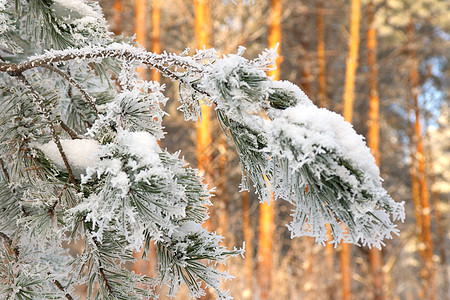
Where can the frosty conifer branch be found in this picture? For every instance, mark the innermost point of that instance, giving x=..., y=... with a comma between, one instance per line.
x=76, y=85
x=40, y=102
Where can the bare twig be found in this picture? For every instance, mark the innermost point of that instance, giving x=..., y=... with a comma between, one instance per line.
x=40, y=102
x=61, y=288
x=101, y=269
x=8, y=241
x=69, y=130
x=4, y=169
x=76, y=85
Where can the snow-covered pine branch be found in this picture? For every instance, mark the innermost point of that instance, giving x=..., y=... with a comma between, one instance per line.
x=80, y=159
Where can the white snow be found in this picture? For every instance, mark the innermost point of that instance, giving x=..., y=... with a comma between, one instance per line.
x=78, y=6
x=187, y=228
x=328, y=130
x=142, y=145
x=80, y=153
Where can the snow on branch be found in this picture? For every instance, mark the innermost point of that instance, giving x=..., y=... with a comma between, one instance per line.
x=308, y=156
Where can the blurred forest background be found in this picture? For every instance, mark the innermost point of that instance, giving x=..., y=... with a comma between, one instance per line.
x=384, y=65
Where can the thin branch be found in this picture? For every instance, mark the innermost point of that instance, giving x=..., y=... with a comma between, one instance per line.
x=8, y=241
x=73, y=134
x=76, y=85
x=100, y=267
x=61, y=288
x=5, y=171
x=163, y=62
x=119, y=51
x=40, y=102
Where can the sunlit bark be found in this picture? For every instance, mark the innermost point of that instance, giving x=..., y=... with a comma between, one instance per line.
x=204, y=140
x=117, y=17
x=350, y=72
x=156, y=33
x=248, y=236
x=375, y=255
x=266, y=214
x=435, y=200
x=428, y=271
x=321, y=54
x=140, y=28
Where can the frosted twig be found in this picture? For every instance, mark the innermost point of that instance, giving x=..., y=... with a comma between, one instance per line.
x=61, y=288
x=69, y=130
x=39, y=101
x=8, y=241
x=162, y=62
x=2, y=164
x=76, y=85
x=119, y=51
x=100, y=267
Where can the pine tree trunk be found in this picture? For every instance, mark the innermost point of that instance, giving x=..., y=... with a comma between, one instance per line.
x=204, y=140
x=438, y=217
x=306, y=79
x=142, y=266
x=375, y=255
x=266, y=214
x=248, y=236
x=350, y=72
x=222, y=201
x=415, y=181
x=329, y=252
x=156, y=33
x=140, y=28
x=321, y=54
x=117, y=17
x=428, y=272
x=352, y=60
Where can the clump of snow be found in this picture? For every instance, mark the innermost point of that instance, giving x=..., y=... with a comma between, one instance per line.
x=76, y=8
x=81, y=154
x=293, y=90
x=308, y=126
x=141, y=144
x=188, y=228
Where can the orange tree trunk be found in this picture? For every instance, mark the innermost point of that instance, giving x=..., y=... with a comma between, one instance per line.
x=350, y=72
x=222, y=208
x=375, y=255
x=438, y=216
x=204, y=139
x=156, y=26
x=266, y=214
x=117, y=17
x=415, y=193
x=428, y=272
x=140, y=28
x=321, y=54
x=248, y=236
x=329, y=250
x=306, y=80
